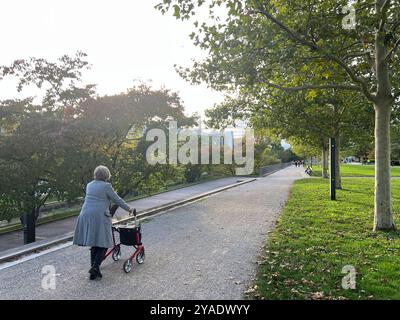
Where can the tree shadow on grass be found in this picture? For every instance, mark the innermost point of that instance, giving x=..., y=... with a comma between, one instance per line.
x=389, y=235
x=356, y=191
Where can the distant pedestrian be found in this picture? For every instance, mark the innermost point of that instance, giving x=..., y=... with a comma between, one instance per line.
x=94, y=227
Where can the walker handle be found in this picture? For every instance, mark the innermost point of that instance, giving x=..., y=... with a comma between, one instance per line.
x=136, y=220
x=134, y=214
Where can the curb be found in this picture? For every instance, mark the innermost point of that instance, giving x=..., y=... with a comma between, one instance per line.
x=133, y=199
x=272, y=172
x=15, y=253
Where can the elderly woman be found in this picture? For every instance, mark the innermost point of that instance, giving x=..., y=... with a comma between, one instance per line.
x=93, y=227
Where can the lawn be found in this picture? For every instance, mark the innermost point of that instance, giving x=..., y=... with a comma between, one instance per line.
x=315, y=238
x=351, y=170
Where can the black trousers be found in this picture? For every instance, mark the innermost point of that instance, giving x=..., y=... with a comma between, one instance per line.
x=96, y=256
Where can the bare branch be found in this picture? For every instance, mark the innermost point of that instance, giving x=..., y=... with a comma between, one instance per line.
x=350, y=46
x=312, y=87
x=355, y=55
x=293, y=35
x=386, y=5
x=395, y=25
x=381, y=9
x=393, y=50
x=298, y=38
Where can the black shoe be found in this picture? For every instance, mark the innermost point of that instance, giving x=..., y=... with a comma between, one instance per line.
x=95, y=272
x=99, y=273
x=92, y=277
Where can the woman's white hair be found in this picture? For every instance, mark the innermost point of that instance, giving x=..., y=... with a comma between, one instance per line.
x=102, y=173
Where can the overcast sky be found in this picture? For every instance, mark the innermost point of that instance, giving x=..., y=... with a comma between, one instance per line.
x=126, y=40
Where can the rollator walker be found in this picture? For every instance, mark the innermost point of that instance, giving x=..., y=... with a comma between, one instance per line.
x=129, y=235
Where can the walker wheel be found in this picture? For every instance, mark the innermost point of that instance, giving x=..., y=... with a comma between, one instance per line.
x=128, y=265
x=140, y=257
x=116, y=255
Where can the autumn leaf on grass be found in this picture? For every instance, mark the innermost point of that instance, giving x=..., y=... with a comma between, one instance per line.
x=251, y=290
x=316, y=296
x=295, y=291
x=290, y=282
x=307, y=282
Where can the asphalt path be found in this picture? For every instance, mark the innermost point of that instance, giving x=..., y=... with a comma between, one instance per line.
x=204, y=250
x=61, y=227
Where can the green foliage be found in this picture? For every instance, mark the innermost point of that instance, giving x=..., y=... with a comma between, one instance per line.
x=291, y=61
x=193, y=172
x=227, y=113
x=274, y=49
x=267, y=152
x=49, y=148
x=30, y=153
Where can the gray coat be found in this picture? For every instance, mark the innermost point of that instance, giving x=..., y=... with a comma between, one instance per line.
x=93, y=227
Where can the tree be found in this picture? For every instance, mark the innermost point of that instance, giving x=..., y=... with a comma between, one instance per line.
x=279, y=44
x=30, y=148
x=51, y=144
x=268, y=150
x=111, y=130
x=303, y=150
x=312, y=120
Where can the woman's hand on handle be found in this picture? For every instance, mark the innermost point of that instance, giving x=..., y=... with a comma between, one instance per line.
x=132, y=211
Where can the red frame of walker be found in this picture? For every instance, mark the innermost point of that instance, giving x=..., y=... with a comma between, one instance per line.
x=139, y=247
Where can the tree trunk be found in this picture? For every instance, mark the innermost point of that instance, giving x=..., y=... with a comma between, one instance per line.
x=383, y=103
x=336, y=134
x=338, y=177
x=325, y=161
x=383, y=219
x=29, y=227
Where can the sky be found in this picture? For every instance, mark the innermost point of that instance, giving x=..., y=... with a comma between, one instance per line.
x=126, y=41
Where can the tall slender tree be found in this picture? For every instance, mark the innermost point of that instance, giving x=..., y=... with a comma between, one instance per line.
x=296, y=45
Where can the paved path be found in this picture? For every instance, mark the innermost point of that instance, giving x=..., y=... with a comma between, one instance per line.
x=57, y=228
x=205, y=250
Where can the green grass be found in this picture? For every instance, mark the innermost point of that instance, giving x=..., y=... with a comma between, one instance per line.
x=351, y=170
x=315, y=238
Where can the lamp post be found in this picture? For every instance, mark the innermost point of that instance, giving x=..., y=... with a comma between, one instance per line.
x=332, y=143
x=29, y=228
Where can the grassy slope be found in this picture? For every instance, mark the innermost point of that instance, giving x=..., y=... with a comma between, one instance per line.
x=315, y=238
x=350, y=170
